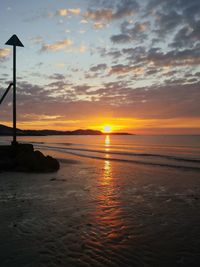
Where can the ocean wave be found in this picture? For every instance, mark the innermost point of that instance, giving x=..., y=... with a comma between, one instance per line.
x=74, y=151
x=124, y=153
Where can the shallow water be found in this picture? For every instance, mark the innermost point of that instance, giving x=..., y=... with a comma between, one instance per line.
x=166, y=151
x=102, y=212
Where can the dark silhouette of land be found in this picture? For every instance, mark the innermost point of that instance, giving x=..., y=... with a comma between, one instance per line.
x=23, y=158
x=8, y=131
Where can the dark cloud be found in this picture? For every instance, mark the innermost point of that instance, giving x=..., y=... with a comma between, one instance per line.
x=112, y=10
x=126, y=69
x=197, y=74
x=81, y=89
x=57, y=76
x=187, y=36
x=126, y=8
x=121, y=38
x=155, y=56
x=179, y=5
x=98, y=70
x=165, y=23
x=58, y=86
x=98, y=67
x=171, y=15
x=187, y=57
x=137, y=33
x=113, y=53
x=152, y=71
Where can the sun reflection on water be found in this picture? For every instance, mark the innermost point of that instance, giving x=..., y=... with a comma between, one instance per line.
x=107, y=173
x=108, y=210
x=107, y=143
x=107, y=140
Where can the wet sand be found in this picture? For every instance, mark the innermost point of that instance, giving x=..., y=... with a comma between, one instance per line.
x=100, y=213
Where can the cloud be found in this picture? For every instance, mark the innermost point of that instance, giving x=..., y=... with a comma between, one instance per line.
x=120, y=10
x=187, y=36
x=156, y=57
x=98, y=15
x=128, y=34
x=167, y=22
x=4, y=54
x=99, y=25
x=153, y=102
x=83, y=21
x=171, y=103
x=121, y=38
x=41, y=117
x=126, y=8
x=63, y=12
x=36, y=40
x=76, y=49
x=187, y=57
x=113, y=53
x=171, y=15
x=98, y=67
x=81, y=89
x=57, y=46
x=125, y=69
x=57, y=76
x=189, y=8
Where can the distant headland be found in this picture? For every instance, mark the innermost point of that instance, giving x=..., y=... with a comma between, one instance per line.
x=8, y=131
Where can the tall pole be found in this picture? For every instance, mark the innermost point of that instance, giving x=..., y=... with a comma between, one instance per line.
x=14, y=97
x=14, y=41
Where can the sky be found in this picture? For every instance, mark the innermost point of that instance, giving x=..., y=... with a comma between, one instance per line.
x=130, y=64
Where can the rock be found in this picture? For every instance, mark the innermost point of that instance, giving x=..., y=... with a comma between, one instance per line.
x=22, y=157
x=6, y=163
x=52, y=163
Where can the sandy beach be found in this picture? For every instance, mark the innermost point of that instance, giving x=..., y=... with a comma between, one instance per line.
x=94, y=213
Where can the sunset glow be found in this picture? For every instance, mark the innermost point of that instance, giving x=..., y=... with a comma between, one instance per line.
x=107, y=129
x=130, y=64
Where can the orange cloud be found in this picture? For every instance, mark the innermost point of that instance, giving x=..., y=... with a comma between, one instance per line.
x=4, y=53
x=98, y=25
x=64, y=12
x=104, y=14
x=57, y=46
x=125, y=69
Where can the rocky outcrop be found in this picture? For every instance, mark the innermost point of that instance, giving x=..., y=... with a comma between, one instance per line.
x=22, y=157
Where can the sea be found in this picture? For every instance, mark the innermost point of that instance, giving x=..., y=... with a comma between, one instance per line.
x=173, y=151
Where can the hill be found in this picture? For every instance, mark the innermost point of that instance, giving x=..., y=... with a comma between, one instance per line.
x=8, y=131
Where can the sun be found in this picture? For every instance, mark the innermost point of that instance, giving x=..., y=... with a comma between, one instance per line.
x=107, y=129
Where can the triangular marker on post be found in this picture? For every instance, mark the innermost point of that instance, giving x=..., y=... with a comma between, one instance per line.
x=14, y=41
